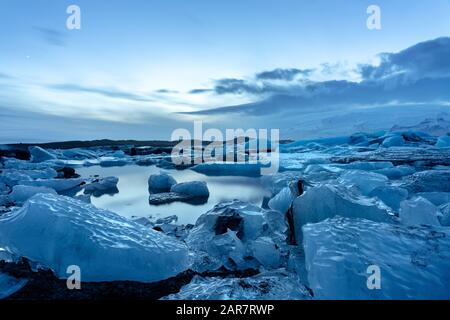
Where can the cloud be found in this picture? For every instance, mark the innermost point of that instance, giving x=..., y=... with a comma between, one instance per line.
x=107, y=92
x=283, y=74
x=166, y=91
x=425, y=59
x=419, y=74
x=5, y=76
x=52, y=37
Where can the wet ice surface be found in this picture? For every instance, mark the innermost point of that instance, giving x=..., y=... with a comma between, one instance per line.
x=132, y=198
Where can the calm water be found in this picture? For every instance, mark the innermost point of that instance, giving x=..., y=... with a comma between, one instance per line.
x=132, y=199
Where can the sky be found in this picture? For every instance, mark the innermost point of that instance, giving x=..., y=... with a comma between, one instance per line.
x=141, y=68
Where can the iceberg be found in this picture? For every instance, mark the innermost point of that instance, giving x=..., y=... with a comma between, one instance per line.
x=160, y=182
x=443, y=142
x=228, y=169
x=445, y=218
x=58, y=185
x=365, y=181
x=419, y=211
x=428, y=181
x=101, y=186
x=273, y=285
x=226, y=234
x=393, y=141
x=59, y=231
x=413, y=261
x=40, y=155
x=326, y=201
x=283, y=200
x=436, y=198
x=20, y=193
x=391, y=196
x=265, y=251
x=196, y=189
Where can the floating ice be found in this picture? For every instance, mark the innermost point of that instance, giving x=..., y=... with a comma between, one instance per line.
x=445, y=218
x=39, y=155
x=428, y=181
x=20, y=193
x=396, y=172
x=58, y=231
x=413, y=261
x=443, y=142
x=326, y=201
x=161, y=182
x=363, y=180
x=227, y=231
x=274, y=285
x=393, y=141
x=265, y=251
x=228, y=169
x=419, y=211
x=102, y=186
x=436, y=198
x=192, y=188
x=58, y=185
x=283, y=200
x=391, y=196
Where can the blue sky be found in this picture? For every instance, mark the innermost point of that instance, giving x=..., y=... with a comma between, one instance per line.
x=136, y=65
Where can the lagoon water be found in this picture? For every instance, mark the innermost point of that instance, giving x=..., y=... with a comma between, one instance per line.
x=132, y=198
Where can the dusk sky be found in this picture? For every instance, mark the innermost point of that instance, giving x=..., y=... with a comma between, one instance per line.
x=139, y=69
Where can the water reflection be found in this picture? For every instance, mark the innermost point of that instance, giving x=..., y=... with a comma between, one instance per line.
x=132, y=198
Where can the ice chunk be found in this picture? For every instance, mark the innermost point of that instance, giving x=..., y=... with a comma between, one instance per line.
x=394, y=141
x=39, y=155
x=227, y=231
x=363, y=180
x=443, y=142
x=428, y=181
x=113, y=162
x=419, y=211
x=20, y=193
x=366, y=166
x=228, y=169
x=160, y=182
x=102, y=186
x=282, y=201
x=445, y=218
x=13, y=177
x=192, y=188
x=169, y=197
x=413, y=261
x=326, y=201
x=58, y=185
x=396, y=172
x=274, y=285
x=391, y=196
x=436, y=198
x=10, y=285
x=266, y=252
x=58, y=231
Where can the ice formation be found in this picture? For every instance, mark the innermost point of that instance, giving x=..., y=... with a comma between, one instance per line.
x=161, y=182
x=274, y=285
x=327, y=201
x=419, y=211
x=344, y=255
x=191, y=188
x=20, y=193
x=59, y=231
